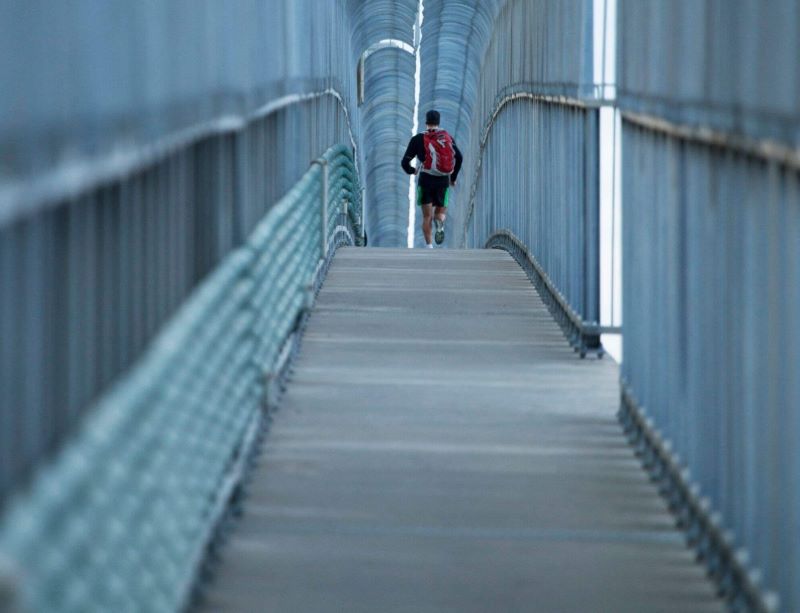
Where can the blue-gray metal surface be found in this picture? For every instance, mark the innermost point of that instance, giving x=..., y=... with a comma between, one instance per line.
x=455, y=37
x=91, y=81
x=538, y=178
x=386, y=120
x=125, y=178
x=86, y=282
x=711, y=247
x=730, y=65
x=711, y=263
x=121, y=520
x=474, y=53
x=531, y=165
x=386, y=114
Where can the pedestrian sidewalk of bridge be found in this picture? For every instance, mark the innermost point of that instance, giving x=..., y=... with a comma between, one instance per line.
x=441, y=448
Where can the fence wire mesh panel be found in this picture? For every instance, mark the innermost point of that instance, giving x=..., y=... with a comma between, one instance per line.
x=711, y=253
x=121, y=519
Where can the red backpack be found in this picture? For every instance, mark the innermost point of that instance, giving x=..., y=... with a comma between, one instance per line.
x=440, y=157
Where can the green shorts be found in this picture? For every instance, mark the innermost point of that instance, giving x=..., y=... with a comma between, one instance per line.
x=437, y=196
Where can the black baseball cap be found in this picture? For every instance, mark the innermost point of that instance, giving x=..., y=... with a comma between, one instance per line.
x=432, y=118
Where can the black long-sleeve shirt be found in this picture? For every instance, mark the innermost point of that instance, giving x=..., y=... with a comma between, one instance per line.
x=416, y=149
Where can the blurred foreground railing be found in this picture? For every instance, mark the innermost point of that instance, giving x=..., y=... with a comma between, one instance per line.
x=91, y=272
x=122, y=518
x=711, y=376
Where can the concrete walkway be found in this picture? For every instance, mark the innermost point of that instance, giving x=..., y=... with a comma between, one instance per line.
x=440, y=448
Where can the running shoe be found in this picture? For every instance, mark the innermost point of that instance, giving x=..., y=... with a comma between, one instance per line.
x=439, y=236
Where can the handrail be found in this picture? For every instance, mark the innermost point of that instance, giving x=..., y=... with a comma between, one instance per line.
x=536, y=96
x=567, y=272
x=583, y=335
x=123, y=517
x=24, y=198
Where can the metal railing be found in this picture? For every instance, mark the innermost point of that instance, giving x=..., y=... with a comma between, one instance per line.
x=711, y=248
x=728, y=66
x=536, y=180
x=86, y=281
x=527, y=122
x=583, y=336
x=711, y=261
x=124, y=179
x=122, y=518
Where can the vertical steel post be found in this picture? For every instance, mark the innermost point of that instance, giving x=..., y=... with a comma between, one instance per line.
x=363, y=221
x=323, y=164
x=360, y=80
x=9, y=588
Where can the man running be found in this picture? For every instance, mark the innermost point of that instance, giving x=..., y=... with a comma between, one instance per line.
x=439, y=162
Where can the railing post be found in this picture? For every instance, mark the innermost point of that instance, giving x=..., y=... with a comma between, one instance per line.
x=360, y=79
x=9, y=587
x=363, y=221
x=323, y=164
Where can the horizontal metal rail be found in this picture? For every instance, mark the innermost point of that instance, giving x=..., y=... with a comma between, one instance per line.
x=583, y=336
x=70, y=180
x=505, y=100
x=760, y=148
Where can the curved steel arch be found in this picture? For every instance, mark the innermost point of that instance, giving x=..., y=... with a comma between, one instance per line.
x=387, y=43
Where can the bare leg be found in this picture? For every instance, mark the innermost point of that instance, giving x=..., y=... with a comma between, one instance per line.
x=441, y=213
x=427, y=218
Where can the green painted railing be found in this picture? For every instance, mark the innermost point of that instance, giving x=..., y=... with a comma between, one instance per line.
x=122, y=518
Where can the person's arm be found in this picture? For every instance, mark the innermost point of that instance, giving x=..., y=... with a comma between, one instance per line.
x=457, y=167
x=410, y=154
